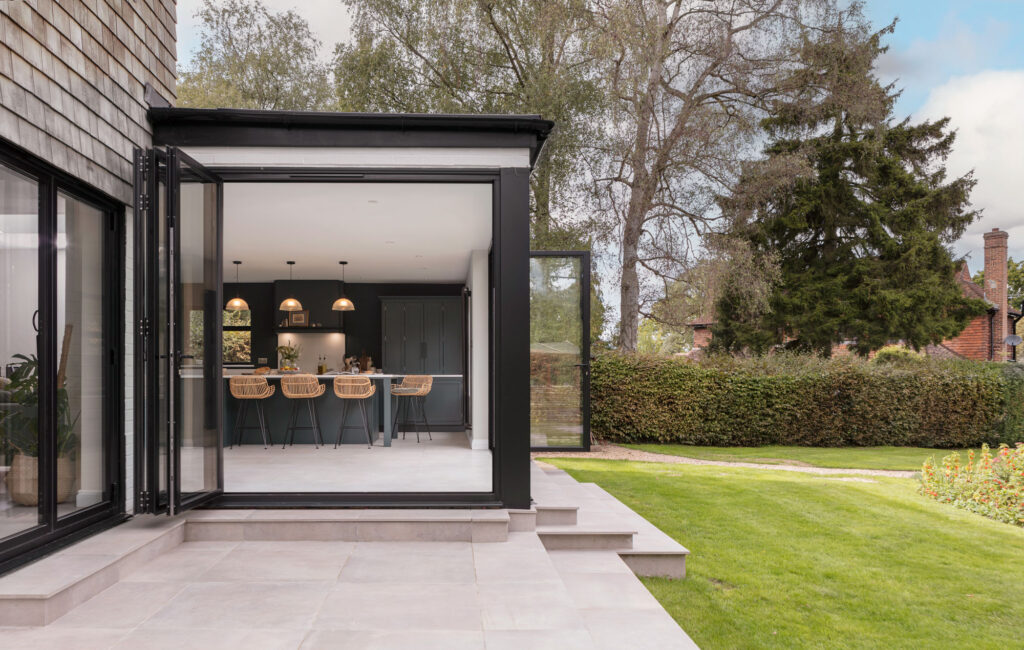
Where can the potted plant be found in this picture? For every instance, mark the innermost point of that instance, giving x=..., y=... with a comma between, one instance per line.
x=289, y=357
x=20, y=426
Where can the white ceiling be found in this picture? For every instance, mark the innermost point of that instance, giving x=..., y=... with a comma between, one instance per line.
x=388, y=232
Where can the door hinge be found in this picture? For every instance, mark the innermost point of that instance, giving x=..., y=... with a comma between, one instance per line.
x=143, y=327
x=143, y=504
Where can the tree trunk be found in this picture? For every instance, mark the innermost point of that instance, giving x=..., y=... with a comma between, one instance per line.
x=629, y=287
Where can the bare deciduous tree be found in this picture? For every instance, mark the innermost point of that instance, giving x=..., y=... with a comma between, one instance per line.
x=688, y=81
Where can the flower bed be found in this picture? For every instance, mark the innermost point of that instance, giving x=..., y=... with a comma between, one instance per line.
x=990, y=485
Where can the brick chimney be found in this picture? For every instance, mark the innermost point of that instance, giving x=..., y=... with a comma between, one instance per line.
x=996, y=289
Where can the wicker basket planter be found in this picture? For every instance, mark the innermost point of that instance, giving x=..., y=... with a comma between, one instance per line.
x=23, y=480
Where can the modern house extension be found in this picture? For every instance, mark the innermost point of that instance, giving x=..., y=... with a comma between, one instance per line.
x=260, y=309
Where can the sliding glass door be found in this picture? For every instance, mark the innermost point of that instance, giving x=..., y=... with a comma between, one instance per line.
x=178, y=251
x=560, y=349
x=61, y=408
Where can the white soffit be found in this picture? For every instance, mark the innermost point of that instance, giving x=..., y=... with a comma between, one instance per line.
x=388, y=232
x=426, y=157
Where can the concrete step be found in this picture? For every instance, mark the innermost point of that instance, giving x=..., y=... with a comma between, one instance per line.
x=576, y=538
x=42, y=592
x=656, y=564
x=548, y=515
x=349, y=525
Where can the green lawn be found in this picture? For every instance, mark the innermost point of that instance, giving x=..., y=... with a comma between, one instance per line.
x=784, y=560
x=908, y=458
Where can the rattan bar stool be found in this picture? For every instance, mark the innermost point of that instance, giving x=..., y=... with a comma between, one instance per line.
x=350, y=388
x=246, y=389
x=414, y=390
x=308, y=388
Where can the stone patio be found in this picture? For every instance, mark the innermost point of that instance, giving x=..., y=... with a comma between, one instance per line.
x=518, y=589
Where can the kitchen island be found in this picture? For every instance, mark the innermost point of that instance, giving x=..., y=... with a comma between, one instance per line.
x=277, y=408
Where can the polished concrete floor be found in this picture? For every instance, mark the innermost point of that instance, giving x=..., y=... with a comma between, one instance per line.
x=444, y=464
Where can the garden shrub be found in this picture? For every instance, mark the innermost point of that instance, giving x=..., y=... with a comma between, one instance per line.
x=898, y=354
x=801, y=400
x=989, y=485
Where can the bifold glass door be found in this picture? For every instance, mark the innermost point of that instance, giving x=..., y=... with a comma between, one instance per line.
x=560, y=349
x=178, y=389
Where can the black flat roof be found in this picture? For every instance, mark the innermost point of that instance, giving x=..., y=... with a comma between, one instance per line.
x=254, y=128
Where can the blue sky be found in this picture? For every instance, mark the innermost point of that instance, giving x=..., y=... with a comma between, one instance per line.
x=965, y=60
x=936, y=40
x=958, y=58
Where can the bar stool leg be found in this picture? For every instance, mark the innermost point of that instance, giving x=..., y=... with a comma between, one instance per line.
x=341, y=425
x=394, y=418
x=312, y=422
x=423, y=412
x=316, y=418
x=290, y=430
x=263, y=423
x=415, y=424
x=366, y=423
x=236, y=439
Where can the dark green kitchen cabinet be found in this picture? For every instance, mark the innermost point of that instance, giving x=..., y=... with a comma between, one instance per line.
x=424, y=336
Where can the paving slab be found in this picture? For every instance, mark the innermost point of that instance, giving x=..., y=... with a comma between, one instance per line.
x=303, y=593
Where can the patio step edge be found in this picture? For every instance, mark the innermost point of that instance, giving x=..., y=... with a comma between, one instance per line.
x=583, y=539
x=28, y=609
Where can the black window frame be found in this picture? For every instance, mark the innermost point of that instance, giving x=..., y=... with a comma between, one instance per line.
x=238, y=328
x=55, y=531
x=508, y=342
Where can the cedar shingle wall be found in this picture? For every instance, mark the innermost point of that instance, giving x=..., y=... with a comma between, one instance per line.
x=72, y=80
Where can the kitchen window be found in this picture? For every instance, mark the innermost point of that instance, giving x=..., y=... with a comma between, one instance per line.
x=238, y=337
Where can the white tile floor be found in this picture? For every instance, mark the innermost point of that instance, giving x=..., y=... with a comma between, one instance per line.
x=377, y=595
x=444, y=464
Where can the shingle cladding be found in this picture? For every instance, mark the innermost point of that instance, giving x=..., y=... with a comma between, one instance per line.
x=72, y=80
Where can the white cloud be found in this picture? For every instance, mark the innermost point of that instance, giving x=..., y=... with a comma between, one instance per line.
x=329, y=20
x=986, y=109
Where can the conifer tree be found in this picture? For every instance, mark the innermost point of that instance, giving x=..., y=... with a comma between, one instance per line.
x=855, y=209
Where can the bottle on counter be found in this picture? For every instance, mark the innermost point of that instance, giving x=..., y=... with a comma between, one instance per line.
x=321, y=365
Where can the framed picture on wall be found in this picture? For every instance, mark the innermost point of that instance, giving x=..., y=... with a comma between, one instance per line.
x=298, y=318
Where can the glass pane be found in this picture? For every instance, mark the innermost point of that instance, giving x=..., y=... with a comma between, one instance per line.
x=556, y=331
x=81, y=450
x=197, y=302
x=237, y=343
x=19, y=394
x=163, y=346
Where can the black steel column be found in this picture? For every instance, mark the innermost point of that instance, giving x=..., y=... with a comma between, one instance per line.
x=510, y=372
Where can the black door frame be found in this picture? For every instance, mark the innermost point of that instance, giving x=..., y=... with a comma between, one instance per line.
x=508, y=340
x=151, y=167
x=584, y=366
x=54, y=532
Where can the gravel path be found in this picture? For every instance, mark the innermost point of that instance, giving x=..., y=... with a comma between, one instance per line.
x=615, y=452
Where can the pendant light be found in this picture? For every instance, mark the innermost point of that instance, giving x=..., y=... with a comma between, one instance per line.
x=236, y=303
x=343, y=303
x=290, y=304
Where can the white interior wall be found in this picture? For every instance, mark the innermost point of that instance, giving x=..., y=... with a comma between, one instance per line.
x=329, y=344
x=478, y=283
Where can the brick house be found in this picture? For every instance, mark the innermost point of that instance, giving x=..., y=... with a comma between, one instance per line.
x=984, y=337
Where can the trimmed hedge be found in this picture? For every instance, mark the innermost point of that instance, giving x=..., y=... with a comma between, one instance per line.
x=791, y=400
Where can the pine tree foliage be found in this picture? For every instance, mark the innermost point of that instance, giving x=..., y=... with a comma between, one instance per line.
x=858, y=211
